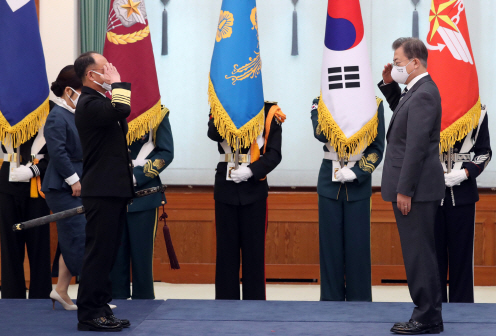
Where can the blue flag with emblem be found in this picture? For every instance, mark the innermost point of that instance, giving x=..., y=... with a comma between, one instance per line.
x=24, y=90
x=235, y=87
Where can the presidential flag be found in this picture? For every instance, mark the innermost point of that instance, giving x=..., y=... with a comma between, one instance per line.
x=24, y=90
x=128, y=46
x=452, y=67
x=347, y=107
x=235, y=89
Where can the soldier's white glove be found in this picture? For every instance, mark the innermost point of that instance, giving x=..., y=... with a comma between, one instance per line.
x=455, y=178
x=141, y=163
x=345, y=174
x=135, y=183
x=242, y=174
x=22, y=173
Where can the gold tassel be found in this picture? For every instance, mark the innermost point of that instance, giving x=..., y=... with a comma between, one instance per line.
x=25, y=129
x=226, y=128
x=148, y=120
x=33, y=192
x=254, y=152
x=36, y=184
x=346, y=147
x=460, y=128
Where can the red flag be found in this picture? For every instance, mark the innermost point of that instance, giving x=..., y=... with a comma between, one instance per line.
x=128, y=47
x=452, y=66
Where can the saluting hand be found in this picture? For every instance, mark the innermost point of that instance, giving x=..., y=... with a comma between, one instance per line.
x=76, y=189
x=110, y=74
x=386, y=74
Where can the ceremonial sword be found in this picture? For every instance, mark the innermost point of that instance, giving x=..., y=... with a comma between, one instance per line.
x=77, y=211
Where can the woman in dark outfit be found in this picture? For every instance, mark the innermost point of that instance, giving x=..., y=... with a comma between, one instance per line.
x=61, y=184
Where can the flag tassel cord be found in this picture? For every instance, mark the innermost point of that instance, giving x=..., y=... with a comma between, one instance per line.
x=460, y=128
x=25, y=129
x=226, y=128
x=148, y=120
x=346, y=147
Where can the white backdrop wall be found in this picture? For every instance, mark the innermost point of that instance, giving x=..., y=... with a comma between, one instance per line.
x=60, y=35
x=293, y=81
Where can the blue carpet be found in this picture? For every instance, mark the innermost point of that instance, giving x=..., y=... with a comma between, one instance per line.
x=202, y=317
x=36, y=317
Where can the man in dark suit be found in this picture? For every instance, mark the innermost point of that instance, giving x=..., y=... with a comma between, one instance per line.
x=106, y=185
x=413, y=178
x=241, y=209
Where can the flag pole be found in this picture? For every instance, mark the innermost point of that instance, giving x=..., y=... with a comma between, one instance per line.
x=236, y=155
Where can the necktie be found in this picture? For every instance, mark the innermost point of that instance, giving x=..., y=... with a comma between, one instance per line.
x=405, y=91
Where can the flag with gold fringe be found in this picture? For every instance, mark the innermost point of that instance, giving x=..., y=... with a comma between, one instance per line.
x=449, y=47
x=24, y=90
x=128, y=46
x=235, y=89
x=347, y=107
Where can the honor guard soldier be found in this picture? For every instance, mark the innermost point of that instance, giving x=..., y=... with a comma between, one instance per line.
x=344, y=216
x=21, y=200
x=106, y=185
x=151, y=155
x=241, y=208
x=456, y=215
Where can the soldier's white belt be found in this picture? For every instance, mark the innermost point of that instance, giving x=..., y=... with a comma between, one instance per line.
x=243, y=158
x=455, y=157
x=334, y=157
x=13, y=157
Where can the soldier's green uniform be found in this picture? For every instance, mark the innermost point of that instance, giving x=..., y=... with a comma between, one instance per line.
x=344, y=222
x=142, y=218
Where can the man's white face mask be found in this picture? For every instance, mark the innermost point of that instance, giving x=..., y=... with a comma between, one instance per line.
x=105, y=86
x=400, y=74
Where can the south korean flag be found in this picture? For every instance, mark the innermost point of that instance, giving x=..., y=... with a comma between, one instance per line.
x=347, y=86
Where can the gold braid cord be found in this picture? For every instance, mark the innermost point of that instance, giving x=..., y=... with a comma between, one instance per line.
x=459, y=129
x=146, y=121
x=26, y=128
x=128, y=38
x=225, y=126
x=346, y=147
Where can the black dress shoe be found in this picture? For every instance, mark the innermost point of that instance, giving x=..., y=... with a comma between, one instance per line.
x=417, y=328
x=99, y=324
x=402, y=325
x=124, y=323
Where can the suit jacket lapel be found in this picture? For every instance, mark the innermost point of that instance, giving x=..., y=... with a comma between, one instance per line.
x=405, y=98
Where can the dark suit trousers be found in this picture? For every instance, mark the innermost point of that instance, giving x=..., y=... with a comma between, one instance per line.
x=419, y=254
x=240, y=227
x=105, y=220
x=15, y=209
x=455, y=248
x=344, y=246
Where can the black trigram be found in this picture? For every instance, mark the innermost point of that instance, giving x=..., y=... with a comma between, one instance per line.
x=351, y=77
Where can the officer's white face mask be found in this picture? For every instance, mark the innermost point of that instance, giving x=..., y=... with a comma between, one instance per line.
x=400, y=74
x=105, y=86
x=73, y=101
